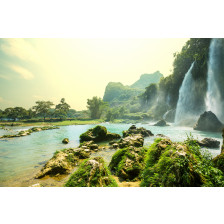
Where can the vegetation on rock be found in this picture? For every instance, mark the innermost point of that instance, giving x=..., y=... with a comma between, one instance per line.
x=128, y=163
x=170, y=164
x=63, y=161
x=134, y=130
x=92, y=173
x=97, y=134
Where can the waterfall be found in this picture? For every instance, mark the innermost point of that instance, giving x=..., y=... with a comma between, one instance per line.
x=186, y=111
x=215, y=79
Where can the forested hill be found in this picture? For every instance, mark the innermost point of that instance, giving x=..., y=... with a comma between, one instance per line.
x=147, y=79
x=116, y=92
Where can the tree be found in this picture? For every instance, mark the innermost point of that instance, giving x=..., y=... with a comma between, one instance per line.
x=61, y=110
x=1, y=114
x=15, y=113
x=96, y=106
x=43, y=107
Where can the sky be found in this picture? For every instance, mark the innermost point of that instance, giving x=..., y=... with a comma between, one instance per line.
x=77, y=69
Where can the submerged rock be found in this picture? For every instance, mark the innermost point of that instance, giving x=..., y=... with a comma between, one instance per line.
x=65, y=141
x=29, y=131
x=97, y=134
x=132, y=140
x=161, y=123
x=208, y=122
x=92, y=173
x=134, y=130
x=171, y=164
x=162, y=136
x=62, y=162
x=128, y=163
x=209, y=143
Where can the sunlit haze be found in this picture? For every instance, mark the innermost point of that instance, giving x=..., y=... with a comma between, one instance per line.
x=76, y=69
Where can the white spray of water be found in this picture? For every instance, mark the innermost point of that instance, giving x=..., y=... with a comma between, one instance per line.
x=186, y=112
x=214, y=100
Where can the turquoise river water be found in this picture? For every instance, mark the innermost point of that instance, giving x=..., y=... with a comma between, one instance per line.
x=21, y=158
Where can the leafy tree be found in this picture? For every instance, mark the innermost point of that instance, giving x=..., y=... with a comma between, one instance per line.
x=96, y=107
x=1, y=114
x=42, y=108
x=15, y=113
x=61, y=110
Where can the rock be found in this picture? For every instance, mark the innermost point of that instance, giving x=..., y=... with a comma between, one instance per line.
x=169, y=116
x=162, y=136
x=89, y=144
x=219, y=162
x=62, y=162
x=208, y=122
x=133, y=130
x=92, y=173
x=65, y=141
x=128, y=163
x=36, y=185
x=161, y=123
x=115, y=145
x=97, y=134
x=171, y=164
x=132, y=140
x=209, y=143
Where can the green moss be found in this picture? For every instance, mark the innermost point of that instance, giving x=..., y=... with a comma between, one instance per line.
x=92, y=173
x=179, y=165
x=128, y=163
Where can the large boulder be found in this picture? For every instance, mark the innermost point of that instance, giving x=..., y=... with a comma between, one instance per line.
x=63, y=162
x=97, y=134
x=208, y=122
x=134, y=130
x=131, y=140
x=171, y=164
x=209, y=143
x=128, y=163
x=92, y=173
x=161, y=123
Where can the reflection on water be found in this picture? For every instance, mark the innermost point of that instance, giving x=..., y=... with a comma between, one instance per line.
x=21, y=158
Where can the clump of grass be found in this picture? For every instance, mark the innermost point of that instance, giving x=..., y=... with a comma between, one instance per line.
x=92, y=173
x=179, y=165
x=128, y=163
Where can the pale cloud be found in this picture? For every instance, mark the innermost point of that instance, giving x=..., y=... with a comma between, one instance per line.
x=21, y=49
x=37, y=97
x=24, y=73
x=1, y=99
x=5, y=77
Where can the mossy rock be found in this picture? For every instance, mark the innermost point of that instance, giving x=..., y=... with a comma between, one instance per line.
x=219, y=162
x=92, y=173
x=132, y=140
x=133, y=130
x=128, y=163
x=62, y=162
x=171, y=164
x=97, y=134
x=65, y=141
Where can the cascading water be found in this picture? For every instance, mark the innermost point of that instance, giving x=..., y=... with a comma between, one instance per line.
x=215, y=79
x=186, y=111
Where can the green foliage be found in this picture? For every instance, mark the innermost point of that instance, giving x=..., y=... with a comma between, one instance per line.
x=15, y=113
x=43, y=108
x=62, y=109
x=147, y=79
x=96, y=107
x=92, y=173
x=128, y=163
x=177, y=164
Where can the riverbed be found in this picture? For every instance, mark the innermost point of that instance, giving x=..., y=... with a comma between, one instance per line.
x=21, y=158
